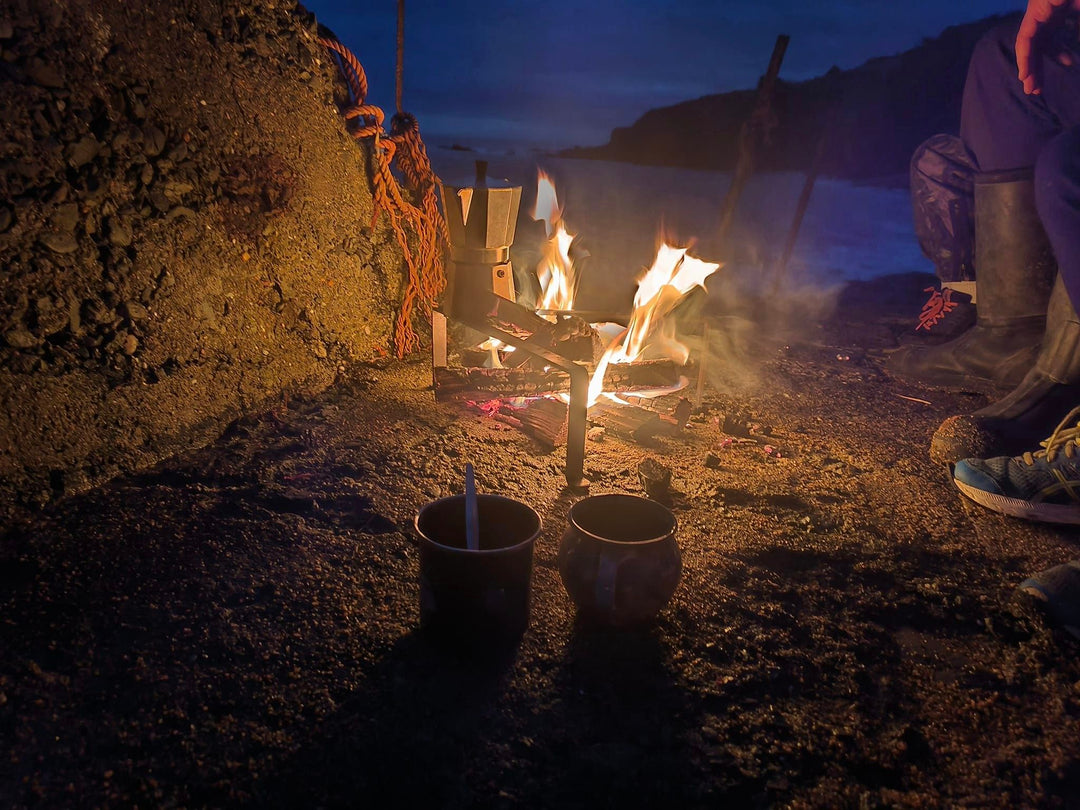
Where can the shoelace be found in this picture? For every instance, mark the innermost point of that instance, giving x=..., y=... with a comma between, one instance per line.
x=1063, y=438
x=936, y=308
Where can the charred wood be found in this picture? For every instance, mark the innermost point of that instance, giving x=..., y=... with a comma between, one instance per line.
x=454, y=384
x=543, y=420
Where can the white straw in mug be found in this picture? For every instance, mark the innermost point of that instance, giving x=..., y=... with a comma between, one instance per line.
x=472, y=518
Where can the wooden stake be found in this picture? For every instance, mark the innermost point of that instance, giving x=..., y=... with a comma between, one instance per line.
x=780, y=274
x=752, y=128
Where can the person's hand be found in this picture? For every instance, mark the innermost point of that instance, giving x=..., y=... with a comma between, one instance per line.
x=1038, y=14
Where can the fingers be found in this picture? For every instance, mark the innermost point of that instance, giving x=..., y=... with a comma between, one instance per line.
x=1037, y=14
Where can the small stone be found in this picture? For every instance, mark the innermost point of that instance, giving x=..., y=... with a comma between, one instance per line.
x=83, y=151
x=320, y=350
x=51, y=317
x=176, y=189
x=178, y=211
x=60, y=242
x=97, y=312
x=147, y=174
x=153, y=141
x=137, y=108
x=119, y=232
x=131, y=345
x=159, y=201
x=712, y=461
x=117, y=343
x=44, y=73
x=178, y=152
x=74, y=317
x=136, y=311
x=19, y=338
x=6, y=218
x=66, y=217
x=655, y=479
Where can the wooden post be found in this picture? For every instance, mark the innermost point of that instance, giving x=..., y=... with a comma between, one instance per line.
x=748, y=135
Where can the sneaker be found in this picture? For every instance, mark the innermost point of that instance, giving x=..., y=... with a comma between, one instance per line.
x=1042, y=485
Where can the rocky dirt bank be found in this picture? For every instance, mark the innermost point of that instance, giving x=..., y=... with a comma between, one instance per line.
x=185, y=231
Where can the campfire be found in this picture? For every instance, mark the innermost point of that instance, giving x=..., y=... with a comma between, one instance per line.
x=550, y=369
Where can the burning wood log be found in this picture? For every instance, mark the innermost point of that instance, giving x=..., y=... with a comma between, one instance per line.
x=629, y=421
x=453, y=384
x=543, y=420
x=571, y=336
x=678, y=416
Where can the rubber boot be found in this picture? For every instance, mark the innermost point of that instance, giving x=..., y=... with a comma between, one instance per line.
x=1015, y=269
x=1028, y=414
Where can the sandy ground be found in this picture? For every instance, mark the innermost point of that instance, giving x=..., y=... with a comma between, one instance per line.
x=239, y=626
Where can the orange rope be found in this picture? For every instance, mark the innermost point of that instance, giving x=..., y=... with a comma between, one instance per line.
x=421, y=216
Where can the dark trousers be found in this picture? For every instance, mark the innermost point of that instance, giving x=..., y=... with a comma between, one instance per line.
x=1002, y=128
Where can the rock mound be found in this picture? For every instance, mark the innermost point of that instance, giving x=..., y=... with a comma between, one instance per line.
x=185, y=230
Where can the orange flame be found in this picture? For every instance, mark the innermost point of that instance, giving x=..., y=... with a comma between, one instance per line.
x=555, y=270
x=673, y=274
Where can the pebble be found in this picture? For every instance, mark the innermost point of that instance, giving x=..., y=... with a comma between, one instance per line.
x=44, y=73
x=153, y=141
x=83, y=151
x=66, y=217
x=131, y=345
x=655, y=478
x=176, y=189
x=178, y=152
x=119, y=232
x=60, y=242
x=19, y=338
x=52, y=317
x=6, y=218
x=178, y=211
x=97, y=312
x=136, y=311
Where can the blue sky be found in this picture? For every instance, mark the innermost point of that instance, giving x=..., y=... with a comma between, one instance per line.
x=558, y=73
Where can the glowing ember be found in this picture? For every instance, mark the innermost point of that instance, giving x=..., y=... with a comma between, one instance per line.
x=555, y=270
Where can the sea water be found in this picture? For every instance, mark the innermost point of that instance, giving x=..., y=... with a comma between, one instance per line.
x=619, y=211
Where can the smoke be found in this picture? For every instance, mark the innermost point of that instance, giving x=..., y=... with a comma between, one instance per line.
x=748, y=316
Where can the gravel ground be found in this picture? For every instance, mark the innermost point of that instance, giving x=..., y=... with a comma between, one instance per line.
x=239, y=625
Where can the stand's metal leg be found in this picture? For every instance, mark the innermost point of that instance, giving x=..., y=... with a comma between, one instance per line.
x=494, y=309
x=438, y=339
x=577, y=419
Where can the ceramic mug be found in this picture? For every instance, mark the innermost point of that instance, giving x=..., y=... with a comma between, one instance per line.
x=618, y=558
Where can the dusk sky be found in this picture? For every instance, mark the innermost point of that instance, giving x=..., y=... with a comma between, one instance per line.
x=558, y=73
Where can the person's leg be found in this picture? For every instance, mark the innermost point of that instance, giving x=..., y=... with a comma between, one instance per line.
x=1003, y=127
x=942, y=200
x=1057, y=197
x=1006, y=129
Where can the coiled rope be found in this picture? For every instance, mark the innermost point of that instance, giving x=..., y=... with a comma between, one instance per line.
x=421, y=215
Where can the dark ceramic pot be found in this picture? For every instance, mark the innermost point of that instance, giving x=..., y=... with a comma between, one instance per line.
x=476, y=595
x=618, y=558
